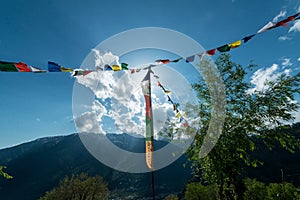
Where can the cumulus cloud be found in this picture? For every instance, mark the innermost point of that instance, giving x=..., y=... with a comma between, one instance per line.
x=259, y=78
x=280, y=15
x=88, y=123
x=118, y=92
x=298, y=59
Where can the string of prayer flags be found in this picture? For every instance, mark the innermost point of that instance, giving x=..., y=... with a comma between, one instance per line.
x=54, y=67
x=285, y=21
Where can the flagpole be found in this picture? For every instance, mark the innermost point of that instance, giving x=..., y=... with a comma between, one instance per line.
x=146, y=87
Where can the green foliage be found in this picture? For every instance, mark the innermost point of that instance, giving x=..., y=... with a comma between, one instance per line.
x=171, y=197
x=249, y=114
x=197, y=191
x=282, y=191
x=79, y=187
x=254, y=190
x=2, y=173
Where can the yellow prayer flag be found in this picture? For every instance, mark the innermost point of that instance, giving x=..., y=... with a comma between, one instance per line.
x=63, y=69
x=149, y=151
x=178, y=115
x=167, y=92
x=235, y=44
x=116, y=67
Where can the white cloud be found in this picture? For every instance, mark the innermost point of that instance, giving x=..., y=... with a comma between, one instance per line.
x=119, y=90
x=281, y=14
x=88, y=123
x=259, y=78
x=286, y=62
x=295, y=27
x=284, y=38
x=298, y=59
x=102, y=59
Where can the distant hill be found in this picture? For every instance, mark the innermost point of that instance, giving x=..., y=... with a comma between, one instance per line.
x=38, y=166
x=276, y=160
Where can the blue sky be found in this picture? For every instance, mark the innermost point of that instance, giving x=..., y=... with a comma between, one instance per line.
x=32, y=31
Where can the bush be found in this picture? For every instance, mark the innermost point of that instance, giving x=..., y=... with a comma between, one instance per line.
x=197, y=191
x=171, y=197
x=255, y=190
x=282, y=191
x=79, y=187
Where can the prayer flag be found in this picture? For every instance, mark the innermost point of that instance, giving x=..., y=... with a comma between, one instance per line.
x=211, y=52
x=176, y=60
x=63, y=69
x=201, y=56
x=268, y=26
x=53, y=67
x=124, y=66
x=158, y=83
x=224, y=48
x=107, y=68
x=116, y=67
x=78, y=72
x=132, y=71
x=167, y=92
x=146, y=88
x=37, y=70
x=22, y=67
x=235, y=44
x=190, y=58
x=185, y=124
x=247, y=38
x=86, y=72
x=7, y=67
x=178, y=115
x=163, y=61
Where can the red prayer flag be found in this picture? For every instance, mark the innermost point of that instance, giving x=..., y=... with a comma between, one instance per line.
x=22, y=67
x=211, y=52
x=163, y=61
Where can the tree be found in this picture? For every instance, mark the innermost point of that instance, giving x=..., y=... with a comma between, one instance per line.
x=197, y=191
x=79, y=187
x=259, y=114
x=171, y=197
x=254, y=190
x=3, y=174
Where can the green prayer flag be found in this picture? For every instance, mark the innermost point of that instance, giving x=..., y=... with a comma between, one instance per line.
x=124, y=66
x=224, y=48
x=7, y=67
